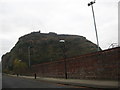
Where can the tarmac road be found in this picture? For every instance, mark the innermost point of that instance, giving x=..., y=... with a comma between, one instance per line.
x=20, y=82
x=17, y=82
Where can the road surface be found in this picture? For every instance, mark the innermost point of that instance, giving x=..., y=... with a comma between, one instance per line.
x=18, y=82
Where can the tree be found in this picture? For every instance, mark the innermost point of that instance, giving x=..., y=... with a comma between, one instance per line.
x=19, y=67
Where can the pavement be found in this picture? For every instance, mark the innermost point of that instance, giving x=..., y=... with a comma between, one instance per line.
x=78, y=82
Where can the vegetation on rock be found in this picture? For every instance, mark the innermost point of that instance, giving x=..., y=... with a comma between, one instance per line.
x=45, y=47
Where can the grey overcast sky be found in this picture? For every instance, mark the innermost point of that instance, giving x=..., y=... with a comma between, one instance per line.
x=19, y=17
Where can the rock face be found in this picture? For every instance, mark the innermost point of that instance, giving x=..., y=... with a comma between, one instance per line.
x=45, y=47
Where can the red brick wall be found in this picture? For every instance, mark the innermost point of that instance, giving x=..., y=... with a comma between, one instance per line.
x=98, y=65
